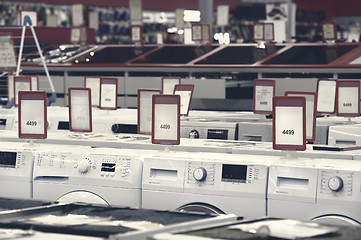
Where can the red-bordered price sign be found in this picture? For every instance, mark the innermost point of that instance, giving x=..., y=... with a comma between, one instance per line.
x=258, y=31
x=93, y=83
x=311, y=100
x=166, y=119
x=348, y=98
x=326, y=96
x=145, y=110
x=196, y=32
x=32, y=113
x=21, y=83
x=168, y=84
x=7, y=53
x=329, y=31
x=263, y=93
x=289, y=123
x=80, y=110
x=185, y=91
x=108, y=93
x=136, y=33
x=269, y=34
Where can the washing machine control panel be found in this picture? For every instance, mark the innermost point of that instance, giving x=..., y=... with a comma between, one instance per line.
x=336, y=184
x=231, y=179
x=13, y=163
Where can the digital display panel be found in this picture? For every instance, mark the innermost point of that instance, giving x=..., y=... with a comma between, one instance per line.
x=108, y=167
x=217, y=134
x=234, y=173
x=7, y=159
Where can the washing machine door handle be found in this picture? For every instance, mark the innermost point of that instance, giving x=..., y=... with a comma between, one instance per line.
x=200, y=208
x=336, y=220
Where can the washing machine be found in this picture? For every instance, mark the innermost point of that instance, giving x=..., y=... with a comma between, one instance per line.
x=207, y=183
x=100, y=176
x=345, y=135
x=321, y=190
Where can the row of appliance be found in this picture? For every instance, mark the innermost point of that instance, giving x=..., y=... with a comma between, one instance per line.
x=251, y=186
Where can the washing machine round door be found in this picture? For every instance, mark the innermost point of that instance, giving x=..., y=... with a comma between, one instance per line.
x=84, y=197
x=200, y=208
x=336, y=220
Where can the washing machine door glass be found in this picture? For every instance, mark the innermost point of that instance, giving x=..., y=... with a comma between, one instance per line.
x=336, y=220
x=199, y=208
x=82, y=196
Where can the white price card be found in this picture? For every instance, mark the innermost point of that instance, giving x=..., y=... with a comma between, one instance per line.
x=10, y=83
x=77, y=15
x=326, y=96
x=289, y=123
x=166, y=119
x=33, y=15
x=94, y=84
x=329, y=30
x=75, y=35
x=258, y=31
x=206, y=33
x=108, y=93
x=136, y=33
x=145, y=110
x=222, y=15
x=135, y=9
x=34, y=83
x=348, y=98
x=80, y=111
x=168, y=84
x=311, y=100
x=269, y=32
x=7, y=52
x=196, y=32
x=32, y=115
x=185, y=91
x=21, y=83
x=263, y=93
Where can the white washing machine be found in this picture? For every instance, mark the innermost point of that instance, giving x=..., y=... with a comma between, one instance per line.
x=102, y=176
x=345, y=135
x=204, y=182
x=321, y=190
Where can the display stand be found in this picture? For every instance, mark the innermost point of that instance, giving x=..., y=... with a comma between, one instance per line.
x=28, y=22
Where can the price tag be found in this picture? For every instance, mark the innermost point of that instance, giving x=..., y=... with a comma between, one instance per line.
x=77, y=15
x=10, y=83
x=329, y=30
x=289, y=123
x=269, y=32
x=185, y=91
x=94, y=84
x=21, y=83
x=166, y=119
x=311, y=99
x=196, y=32
x=33, y=15
x=258, y=31
x=7, y=53
x=135, y=9
x=206, y=33
x=326, y=96
x=34, y=83
x=263, y=93
x=32, y=115
x=108, y=93
x=75, y=35
x=80, y=111
x=168, y=84
x=136, y=33
x=348, y=98
x=145, y=110
x=222, y=15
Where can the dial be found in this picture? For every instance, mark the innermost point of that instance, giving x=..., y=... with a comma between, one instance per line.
x=335, y=183
x=200, y=174
x=194, y=134
x=84, y=166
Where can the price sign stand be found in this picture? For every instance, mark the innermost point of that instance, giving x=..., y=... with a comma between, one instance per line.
x=168, y=84
x=32, y=114
x=326, y=96
x=289, y=124
x=185, y=91
x=108, y=94
x=166, y=119
x=348, y=99
x=311, y=100
x=145, y=110
x=263, y=93
x=329, y=32
x=27, y=22
x=80, y=111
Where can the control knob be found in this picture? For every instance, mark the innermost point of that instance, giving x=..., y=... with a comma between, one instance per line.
x=200, y=174
x=84, y=166
x=194, y=134
x=335, y=183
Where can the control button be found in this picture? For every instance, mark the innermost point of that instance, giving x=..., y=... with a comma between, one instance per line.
x=200, y=174
x=75, y=165
x=84, y=166
x=194, y=134
x=335, y=183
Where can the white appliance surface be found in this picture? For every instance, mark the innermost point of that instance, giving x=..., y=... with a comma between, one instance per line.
x=322, y=190
x=207, y=182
